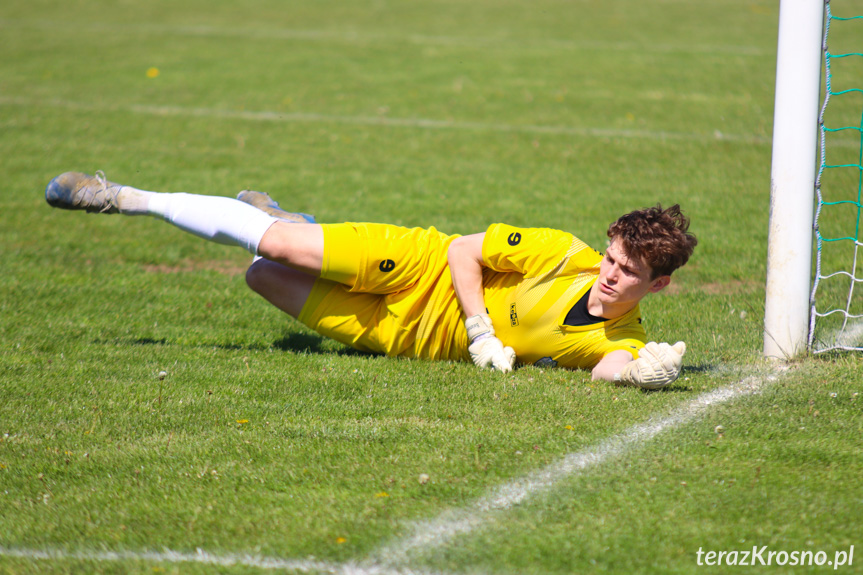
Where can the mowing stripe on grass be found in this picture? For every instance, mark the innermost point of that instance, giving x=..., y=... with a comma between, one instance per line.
x=352, y=36
x=395, y=557
x=414, y=123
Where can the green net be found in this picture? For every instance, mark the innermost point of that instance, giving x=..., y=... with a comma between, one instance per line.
x=837, y=303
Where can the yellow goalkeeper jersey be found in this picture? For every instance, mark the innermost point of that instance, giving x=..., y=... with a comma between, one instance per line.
x=534, y=277
x=402, y=301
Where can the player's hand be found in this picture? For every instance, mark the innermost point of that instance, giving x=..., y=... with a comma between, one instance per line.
x=485, y=349
x=658, y=364
x=490, y=352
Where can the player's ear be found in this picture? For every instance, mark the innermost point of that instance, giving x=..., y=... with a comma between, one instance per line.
x=660, y=283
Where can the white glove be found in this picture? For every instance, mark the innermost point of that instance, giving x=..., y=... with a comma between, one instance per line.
x=485, y=349
x=658, y=364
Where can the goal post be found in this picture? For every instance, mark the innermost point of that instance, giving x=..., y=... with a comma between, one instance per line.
x=792, y=178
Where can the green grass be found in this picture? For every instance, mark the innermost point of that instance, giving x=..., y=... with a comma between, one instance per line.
x=265, y=439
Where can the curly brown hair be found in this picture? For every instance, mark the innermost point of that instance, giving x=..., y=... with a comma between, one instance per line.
x=656, y=236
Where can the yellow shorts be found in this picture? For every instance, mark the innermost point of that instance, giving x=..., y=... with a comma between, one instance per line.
x=376, y=284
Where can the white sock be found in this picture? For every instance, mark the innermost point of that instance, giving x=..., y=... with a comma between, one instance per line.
x=133, y=202
x=218, y=219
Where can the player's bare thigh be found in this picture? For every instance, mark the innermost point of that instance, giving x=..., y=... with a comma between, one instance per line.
x=284, y=287
x=300, y=246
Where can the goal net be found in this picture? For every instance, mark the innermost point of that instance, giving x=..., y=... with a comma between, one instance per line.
x=836, y=316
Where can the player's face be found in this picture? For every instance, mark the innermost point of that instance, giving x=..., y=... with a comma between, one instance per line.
x=625, y=280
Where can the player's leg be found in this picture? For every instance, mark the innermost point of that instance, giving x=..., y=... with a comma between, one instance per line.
x=256, y=223
x=300, y=246
x=284, y=287
x=219, y=219
x=367, y=258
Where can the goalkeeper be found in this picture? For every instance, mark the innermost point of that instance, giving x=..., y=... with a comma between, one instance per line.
x=507, y=295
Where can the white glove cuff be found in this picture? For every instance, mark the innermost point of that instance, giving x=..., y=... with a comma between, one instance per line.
x=477, y=326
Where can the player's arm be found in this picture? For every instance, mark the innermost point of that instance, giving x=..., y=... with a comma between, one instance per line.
x=465, y=262
x=465, y=265
x=657, y=365
x=610, y=365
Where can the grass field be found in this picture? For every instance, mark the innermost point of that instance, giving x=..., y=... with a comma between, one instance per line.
x=265, y=447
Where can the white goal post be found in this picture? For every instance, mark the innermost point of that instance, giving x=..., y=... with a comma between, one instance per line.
x=792, y=178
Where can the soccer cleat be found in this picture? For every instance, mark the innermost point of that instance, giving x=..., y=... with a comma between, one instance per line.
x=76, y=191
x=265, y=203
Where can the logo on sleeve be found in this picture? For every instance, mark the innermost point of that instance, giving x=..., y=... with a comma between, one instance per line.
x=387, y=266
x=513, y=316
x=514, y=239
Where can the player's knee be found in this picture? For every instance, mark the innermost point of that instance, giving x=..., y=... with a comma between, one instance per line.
x=256, y=275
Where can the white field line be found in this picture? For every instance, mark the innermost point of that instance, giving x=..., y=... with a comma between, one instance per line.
x=437, y=532
x=426, y=536
x=415, y=123
x=354, y=36
x=201, y=557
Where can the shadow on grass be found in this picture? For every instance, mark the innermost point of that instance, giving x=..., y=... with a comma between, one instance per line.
x=302, y=342
x=703, y=368
x=678, y=386
x=313, y=343
x=150, y=341
x=167, y=342
x=291, y=342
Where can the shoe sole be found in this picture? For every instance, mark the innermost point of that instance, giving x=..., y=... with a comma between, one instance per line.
x=265, y=203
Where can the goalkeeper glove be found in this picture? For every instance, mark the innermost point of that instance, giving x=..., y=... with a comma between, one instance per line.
x=658, y=364
x=485, y=349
